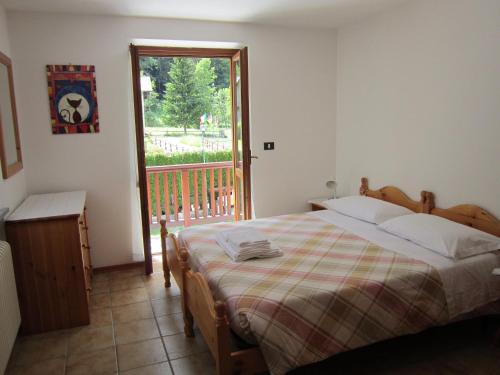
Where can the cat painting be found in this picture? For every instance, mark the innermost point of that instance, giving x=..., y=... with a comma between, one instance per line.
x=77, y=117
x=72, y=99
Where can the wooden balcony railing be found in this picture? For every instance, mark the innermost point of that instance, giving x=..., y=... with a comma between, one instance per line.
x=187, y=193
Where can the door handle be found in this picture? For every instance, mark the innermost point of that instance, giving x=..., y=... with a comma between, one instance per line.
x=254, y=157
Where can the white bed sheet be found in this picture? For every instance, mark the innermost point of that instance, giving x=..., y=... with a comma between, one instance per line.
x=468, y=283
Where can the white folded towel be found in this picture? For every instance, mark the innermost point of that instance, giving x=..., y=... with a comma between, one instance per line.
x=246, y=244
x=244, y=237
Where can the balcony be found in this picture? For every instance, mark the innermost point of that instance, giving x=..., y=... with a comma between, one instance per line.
x=190, y=194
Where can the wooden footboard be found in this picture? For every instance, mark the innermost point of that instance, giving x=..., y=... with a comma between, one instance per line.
x=209, y=315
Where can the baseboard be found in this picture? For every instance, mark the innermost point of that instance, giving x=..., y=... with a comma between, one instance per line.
x=118, y=267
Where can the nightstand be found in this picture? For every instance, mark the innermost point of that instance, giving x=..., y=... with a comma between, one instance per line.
x=317, y=204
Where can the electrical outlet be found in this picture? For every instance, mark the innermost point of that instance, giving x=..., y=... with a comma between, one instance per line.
x=268, y=146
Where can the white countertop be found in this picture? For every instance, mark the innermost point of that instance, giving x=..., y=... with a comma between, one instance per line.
x=39, y=206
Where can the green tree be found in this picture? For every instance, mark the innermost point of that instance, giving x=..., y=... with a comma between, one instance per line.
x=204, y=78
x=181, y=104
x=221, y=68
x=222, y=107
x=152, y=109
x=157, y=68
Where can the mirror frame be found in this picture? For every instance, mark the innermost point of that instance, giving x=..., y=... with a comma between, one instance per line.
x=10, y=170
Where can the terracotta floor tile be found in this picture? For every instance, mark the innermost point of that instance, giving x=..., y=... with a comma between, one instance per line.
x=171, y=324
x=134, y=311
x=99, y=287
x=90, y=338
x=158, y=291
x=202, y=363
x=126, y=297
x=100, y=276
x=181, y=346
x=157, y=267
x=100, y=362
x=123, y=274
x=100, y=317
x=159, y=279
x=154, y=278
x=167, y=306
x=140, y=354
x=47, y=367
x=126, y=283
x=137, y=330
x=45, y=335
x=158, y=369
x=100, y=301
x=31, y=350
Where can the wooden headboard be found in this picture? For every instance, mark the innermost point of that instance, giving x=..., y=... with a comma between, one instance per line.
x=394, y=195
x=467, y=214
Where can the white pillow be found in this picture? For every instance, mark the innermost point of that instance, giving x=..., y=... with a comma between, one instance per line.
x=368, y=209
x=443, y=236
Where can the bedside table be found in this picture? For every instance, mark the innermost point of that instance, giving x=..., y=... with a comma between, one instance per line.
x=317, y=204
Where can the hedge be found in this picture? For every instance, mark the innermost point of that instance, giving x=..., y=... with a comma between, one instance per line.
x=159, y=158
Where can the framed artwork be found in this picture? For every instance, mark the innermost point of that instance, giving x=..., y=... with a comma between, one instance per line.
x=72, y=99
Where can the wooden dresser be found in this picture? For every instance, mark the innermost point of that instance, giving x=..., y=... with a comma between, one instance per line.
x=51, y=253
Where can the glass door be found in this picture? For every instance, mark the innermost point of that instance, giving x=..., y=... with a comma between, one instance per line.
x=241, y=136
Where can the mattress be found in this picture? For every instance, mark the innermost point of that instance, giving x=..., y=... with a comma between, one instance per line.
x=341, y=284
x=468, y=283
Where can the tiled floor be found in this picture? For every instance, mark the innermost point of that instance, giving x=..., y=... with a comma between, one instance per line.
x=137, y=328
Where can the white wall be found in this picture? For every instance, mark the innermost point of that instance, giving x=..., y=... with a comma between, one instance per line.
x=12, y=190
x=419, y=101
x=292, y=88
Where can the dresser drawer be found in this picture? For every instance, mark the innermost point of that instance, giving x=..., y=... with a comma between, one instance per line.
x=86, y=259
x=52, y=265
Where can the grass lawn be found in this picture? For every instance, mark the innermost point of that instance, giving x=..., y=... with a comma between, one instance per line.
x=155, y=231
x=191, y=140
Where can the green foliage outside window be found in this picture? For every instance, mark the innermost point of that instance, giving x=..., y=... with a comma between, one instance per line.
x=184, y=89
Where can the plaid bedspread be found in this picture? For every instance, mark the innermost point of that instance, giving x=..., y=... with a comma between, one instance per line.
x=332, y=291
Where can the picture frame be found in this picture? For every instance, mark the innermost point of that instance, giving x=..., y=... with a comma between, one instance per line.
x=73, y=99
x=10, y=146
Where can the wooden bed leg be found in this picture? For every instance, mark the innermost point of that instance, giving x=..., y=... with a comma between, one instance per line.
x=188, y=322
x=223, y=360
x=166, y=268
x=188, y=317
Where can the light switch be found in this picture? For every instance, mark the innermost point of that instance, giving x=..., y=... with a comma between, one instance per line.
x=268, y=146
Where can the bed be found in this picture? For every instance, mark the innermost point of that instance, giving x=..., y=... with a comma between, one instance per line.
x=341, y=284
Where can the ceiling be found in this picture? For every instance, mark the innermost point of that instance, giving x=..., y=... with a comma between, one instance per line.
x=295, y=13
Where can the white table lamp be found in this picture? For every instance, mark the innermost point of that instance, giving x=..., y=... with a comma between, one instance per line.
x=332, y=184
